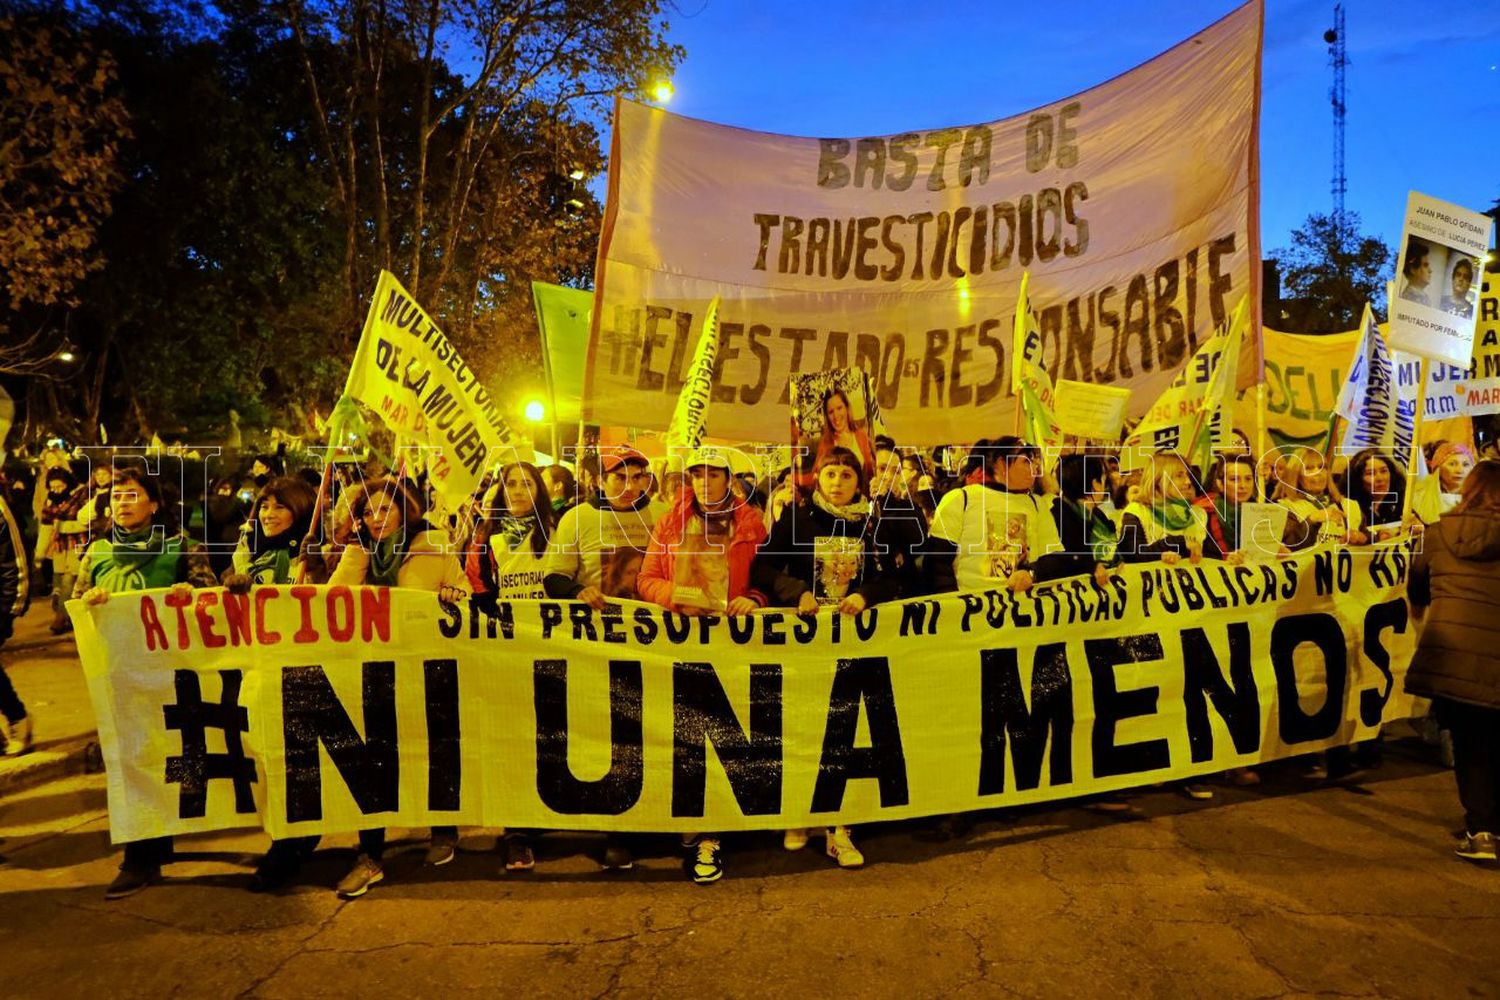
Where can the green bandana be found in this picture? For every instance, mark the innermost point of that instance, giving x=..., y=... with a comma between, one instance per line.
x=135, y=561
x=1176, y=516
x=1229, y=517
x=385, y=562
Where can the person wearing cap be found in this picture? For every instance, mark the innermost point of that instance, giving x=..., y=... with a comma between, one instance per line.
x=995, y=532
x=1448, y=463
x=613, y=525
x=593, y=554
x=699, y=562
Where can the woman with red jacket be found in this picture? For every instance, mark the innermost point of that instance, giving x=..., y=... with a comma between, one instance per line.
x=701, y=550
x=699, y=562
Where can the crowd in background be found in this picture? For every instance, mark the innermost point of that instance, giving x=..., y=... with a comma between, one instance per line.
x=858, y=522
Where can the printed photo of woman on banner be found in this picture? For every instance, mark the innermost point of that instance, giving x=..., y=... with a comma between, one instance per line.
x=835, y=409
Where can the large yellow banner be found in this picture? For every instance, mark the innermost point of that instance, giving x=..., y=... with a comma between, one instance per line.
x=314, y=709
x=1133, y=205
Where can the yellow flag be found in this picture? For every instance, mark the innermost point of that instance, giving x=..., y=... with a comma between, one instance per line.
x=1029, y=380
x=690, y=417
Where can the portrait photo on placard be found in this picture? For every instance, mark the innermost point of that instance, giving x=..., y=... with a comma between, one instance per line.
x=1460, y=287
x=1421, y=265
x=833, y=409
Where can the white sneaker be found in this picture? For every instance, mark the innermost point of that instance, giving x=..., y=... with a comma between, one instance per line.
x=794, y=840
x=841, y=848
x=20, y=738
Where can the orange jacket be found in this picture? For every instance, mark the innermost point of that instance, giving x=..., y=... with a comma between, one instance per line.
x=659, y=568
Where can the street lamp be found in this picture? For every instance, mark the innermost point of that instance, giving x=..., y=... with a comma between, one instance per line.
x=661, y=91
x=535, y=411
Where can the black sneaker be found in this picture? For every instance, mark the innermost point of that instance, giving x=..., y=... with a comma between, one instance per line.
x=272, y=874
x=617, y=857
x=130, y=881
x=518, y=854
x=705, y=863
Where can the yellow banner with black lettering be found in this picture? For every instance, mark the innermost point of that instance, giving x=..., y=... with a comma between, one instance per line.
x=327, y=709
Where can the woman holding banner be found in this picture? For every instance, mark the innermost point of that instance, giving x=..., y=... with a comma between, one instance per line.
x=1307, y=491
x=268, y=550
x=1455, y=579
x=397, y=548
x=995, y=532
x=508, y=556
x=1088, y=536
x=1162, y=523
x=698, y=562
x=507, y=561
x=269, y=554
x=136, y=556
x=822, y=552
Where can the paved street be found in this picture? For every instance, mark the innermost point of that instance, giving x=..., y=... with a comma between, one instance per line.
x=1277, y=891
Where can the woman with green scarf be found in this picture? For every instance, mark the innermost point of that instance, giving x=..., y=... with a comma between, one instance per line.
x=1162, y=523
x=269, y=554
x=397, y=548
x=269, y=548
x=1089, y=539
x=136, y=556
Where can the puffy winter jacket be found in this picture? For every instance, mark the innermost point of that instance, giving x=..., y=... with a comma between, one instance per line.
x=1457, y=576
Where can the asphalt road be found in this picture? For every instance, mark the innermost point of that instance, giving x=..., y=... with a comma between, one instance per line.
x=1282, y=890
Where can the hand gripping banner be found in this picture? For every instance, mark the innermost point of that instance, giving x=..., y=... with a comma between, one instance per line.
x=317, y=709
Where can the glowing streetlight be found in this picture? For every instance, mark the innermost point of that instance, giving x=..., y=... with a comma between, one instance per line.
x=535, y=411
x=661, y=91
x=67, y=357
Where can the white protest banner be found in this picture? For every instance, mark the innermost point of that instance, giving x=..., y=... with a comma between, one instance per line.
x=1134, y=206
x=313, y=710
x=1442, y=247
x=1092, y=412
x=412, y=376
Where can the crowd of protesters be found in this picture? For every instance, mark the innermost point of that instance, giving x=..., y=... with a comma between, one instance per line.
x=858, y=523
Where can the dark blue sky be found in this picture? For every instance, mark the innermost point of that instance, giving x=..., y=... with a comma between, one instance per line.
x=1423, y=91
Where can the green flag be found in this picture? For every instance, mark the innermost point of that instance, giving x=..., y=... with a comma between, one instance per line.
x=562, y=316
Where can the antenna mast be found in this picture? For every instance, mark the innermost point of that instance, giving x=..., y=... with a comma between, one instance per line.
x=1339, y=59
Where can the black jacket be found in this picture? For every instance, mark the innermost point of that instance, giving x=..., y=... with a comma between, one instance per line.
x=784, y=567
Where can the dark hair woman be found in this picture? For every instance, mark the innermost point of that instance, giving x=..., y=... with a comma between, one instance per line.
x=268, y=551
x=1377, y=486
x=562, y=488
x=1455, y=578
x=269, y=554
x=822, y=552
x=142, y=552
x=506, y=560
x=62, y=511
x=397, y=548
